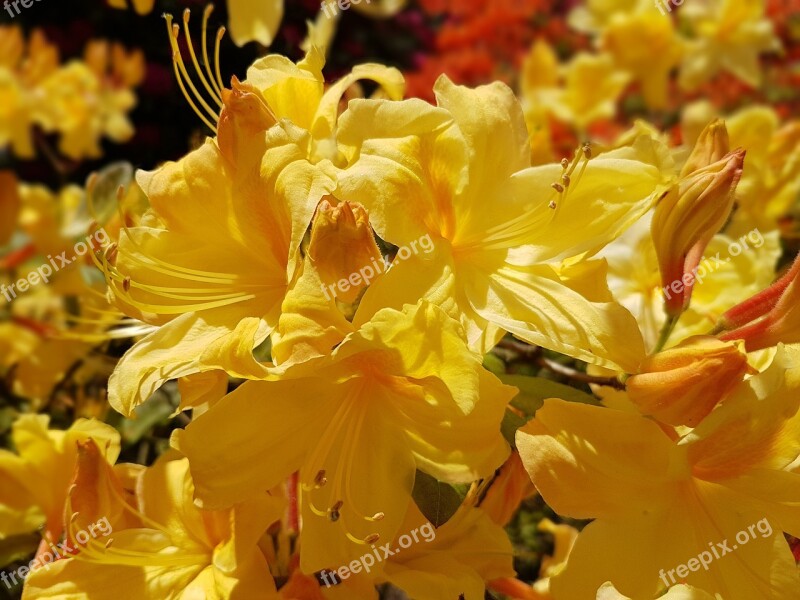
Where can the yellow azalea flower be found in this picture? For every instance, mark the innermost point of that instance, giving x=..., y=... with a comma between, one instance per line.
x=214, y=302
x=593, y=16
x=155, y=542
x=277, y=131
x=56, y=321
x=400, y=393
x=36, y=480
x=708, y=509
x=646, y=46
x=591, y=86
x=458, y=175
x=768, y=188
x=23, y=102
x=725, y=35
x=90, y=100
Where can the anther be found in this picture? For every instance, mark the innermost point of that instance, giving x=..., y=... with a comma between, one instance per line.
x=587, y=151
x=564, y=163
x=565, y=180
x=558, y=187
x=371, y=539
x=333, y=513
x=320, y=479
x=126, y=284
x=552, y=204
x=378, y=516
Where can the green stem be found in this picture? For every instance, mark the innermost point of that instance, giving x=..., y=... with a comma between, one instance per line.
x=666, y=331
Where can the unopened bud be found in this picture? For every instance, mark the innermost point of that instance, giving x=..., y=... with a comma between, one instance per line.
x=683, y=384
x=343, y=248
x=712, y=145
x=687, y=218
x=768, y=318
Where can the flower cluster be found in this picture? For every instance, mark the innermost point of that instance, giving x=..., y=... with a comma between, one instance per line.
x=354, y=344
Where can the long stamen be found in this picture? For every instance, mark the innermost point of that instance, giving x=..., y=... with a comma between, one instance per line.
x=216, y=97
x=217, y=87
x=181, y=74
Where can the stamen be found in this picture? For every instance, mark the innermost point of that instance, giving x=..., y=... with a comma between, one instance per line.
x=216, y=97
x=206, y=14
x=371, y=539
x=182, y=75
x=377, y=516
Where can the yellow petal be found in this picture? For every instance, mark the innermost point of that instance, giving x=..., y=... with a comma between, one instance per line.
x=254, y=21
x=563, y=449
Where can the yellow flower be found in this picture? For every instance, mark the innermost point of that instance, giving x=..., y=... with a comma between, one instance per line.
x=591, y=86
x=460, y=174
x=646, y=46
x=725, y=35
x=723, y=494
x=155, y=542
x=680, y=386
x=36, y=480
x=23, y=102
x=90, y=100
x=260, y=182
x=400, y=393
x=768, y=188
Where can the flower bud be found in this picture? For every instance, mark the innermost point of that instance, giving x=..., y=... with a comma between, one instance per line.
x=343, y=249
x=683, y=384
x=712, y=145
x=687, y=218
x=768, y=318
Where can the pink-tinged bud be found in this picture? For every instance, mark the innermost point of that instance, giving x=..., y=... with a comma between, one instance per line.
x=768, y=318
x=681, y=385
x=687, y=218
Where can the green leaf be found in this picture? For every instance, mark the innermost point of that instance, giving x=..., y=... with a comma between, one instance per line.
x=511, y=422
x=494, y=363
x=533, y=391
x=436, y=500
